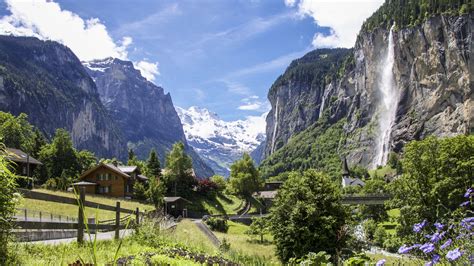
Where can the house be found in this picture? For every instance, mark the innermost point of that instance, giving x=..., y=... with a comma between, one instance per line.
x=24, y=163
x=269, y=192
x=176, y=206
x=272, y=185
x=347, y=180
x=111, y=180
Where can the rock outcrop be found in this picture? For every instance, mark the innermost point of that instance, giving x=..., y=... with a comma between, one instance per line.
x=432, y=73
x=45, y=80
x=144, y=113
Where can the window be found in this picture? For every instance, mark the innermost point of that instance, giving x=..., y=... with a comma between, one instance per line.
x=105, y=190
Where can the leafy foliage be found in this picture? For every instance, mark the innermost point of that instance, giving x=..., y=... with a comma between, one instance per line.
x=307, y=216
x=436, y=173
x=258, y=227
x=406, y=13
x=8, y=200
x=244, y=177
x=219, y=181
x=317, y=147
x=155, y=192
x=179, y=170
x=217, y=224
x=16, y=132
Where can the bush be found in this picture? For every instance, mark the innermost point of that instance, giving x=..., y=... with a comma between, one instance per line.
x=379, y=236
x=392, y=243
x=50, y=184
x=206, y=186
x=139, y=191
x=218, y=224
x=369, y=229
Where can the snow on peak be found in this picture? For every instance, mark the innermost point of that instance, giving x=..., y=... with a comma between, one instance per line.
x=241, y=135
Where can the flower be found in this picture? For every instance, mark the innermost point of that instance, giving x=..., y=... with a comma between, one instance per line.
x=454, y=254
x=380, y=262
x=404, y=249
x=427, y=248
x=468, y=192
x=439, y=226
x=467, y=222
x=436, y=237
x=446, y=244
x=435, y=258
x=417, y=227
x=464, y=204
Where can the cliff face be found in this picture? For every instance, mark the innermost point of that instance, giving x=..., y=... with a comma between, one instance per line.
x=47, y=81
x=144, y=113
x=431, y=72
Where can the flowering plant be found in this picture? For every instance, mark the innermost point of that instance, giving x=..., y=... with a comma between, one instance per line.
x=450, y=242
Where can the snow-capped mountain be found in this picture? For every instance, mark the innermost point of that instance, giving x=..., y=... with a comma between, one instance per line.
x=219, y=142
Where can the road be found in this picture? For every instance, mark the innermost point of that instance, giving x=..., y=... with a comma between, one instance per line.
x=100, y=236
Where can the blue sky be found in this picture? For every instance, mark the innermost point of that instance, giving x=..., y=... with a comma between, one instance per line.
x=222, y=55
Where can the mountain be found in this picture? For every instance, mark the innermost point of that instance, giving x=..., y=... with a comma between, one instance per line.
x=402, y=81
x=219, y=142
x=45, y=80
x=144, y=113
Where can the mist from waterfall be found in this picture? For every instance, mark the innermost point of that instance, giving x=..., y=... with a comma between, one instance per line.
x=387, y=105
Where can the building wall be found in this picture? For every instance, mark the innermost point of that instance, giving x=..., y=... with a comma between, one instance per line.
x=114, y=182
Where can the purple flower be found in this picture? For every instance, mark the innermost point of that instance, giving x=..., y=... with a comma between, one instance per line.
x=429, y=263
x=435, y=258
x=467, y=222
x=446, y=244
x=464, y=204
x=439, y=226
x=454, y=254
x=468, y=192
x=417, y=227
x=436, y=237
x=427, y=248
x=380, y=262
x=404, y=249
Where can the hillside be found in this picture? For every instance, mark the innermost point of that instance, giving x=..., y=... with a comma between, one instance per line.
x=47, y=81
x=395, y=86
x=144, y=113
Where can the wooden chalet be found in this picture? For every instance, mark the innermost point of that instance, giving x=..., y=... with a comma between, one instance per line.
x=24, y=164
x=111, y=180
x=176, y=206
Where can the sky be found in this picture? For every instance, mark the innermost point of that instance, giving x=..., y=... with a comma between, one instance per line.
x=222, y=55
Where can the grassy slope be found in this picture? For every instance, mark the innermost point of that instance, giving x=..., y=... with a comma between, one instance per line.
x=189, y=234
x=72, y=210
x=241, y=242
x=216, y=204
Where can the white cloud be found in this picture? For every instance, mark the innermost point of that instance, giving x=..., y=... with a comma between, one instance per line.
x=344, y=17
x=147, y=69
x=253, y=103
x=235, y=87
x=87, y=38
x=250, y=107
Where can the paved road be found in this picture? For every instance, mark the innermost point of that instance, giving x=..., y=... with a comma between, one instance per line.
x=208, y=233
x=100, y=236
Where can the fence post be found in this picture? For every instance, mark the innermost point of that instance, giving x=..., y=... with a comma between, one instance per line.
x=26, y=215
x=80, y=216
x=138, y=216
x=40, y=216
x=117, y=220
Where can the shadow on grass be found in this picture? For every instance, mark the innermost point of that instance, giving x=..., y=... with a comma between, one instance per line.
x=265, y=242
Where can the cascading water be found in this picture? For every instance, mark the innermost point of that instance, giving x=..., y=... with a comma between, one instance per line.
x=275, y=125
x=388, y=104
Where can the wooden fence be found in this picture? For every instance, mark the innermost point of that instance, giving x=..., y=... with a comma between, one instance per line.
x=109, y=225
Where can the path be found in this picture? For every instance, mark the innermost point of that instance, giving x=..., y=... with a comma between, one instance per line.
x=215, y=241
x=100, y=236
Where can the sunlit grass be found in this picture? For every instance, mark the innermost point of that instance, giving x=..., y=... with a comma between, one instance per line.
x=187, y=233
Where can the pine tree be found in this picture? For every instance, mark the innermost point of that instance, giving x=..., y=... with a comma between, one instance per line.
x=153, y=166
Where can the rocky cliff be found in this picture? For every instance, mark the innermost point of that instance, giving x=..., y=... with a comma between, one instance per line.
x=144, y=113
x=47, y=81
x=431, y=74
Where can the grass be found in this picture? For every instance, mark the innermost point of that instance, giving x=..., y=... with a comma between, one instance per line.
x=386, y=170
x=255, y=206
x=215, y=204
x=242, y=243
x=72, y=210
x=188, y=234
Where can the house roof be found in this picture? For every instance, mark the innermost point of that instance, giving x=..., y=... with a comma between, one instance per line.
x=84, y=183
x=274, y=182
x=142, y=177
x=353, y=181
x=20, y=156
x=174, y=199
x=127, y=168
x=109, y=166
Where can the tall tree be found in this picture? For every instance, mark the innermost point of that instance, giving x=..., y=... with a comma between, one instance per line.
x=244, y=177
x=38, y=142
x=436, y=173
x=179, y=170
x=153, y=165
x=307, y=216
x=16, y=132
x=60, y=156
x=132, y=158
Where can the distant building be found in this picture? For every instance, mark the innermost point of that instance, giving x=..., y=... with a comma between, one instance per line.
x=269, y=192
x=111, y=180
x=176, y=206
x=347, y=180
x=272, y=185
x=24, y=163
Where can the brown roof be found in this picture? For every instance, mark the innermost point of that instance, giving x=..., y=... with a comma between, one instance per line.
x=109, y=166
x=174, y=199
x=20, y=156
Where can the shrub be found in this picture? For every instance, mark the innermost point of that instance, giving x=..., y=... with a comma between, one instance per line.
x=50, y=184
x=206, y=186
x=392, y=243
x=369, y=229
x=379, y=236
x=217, y=224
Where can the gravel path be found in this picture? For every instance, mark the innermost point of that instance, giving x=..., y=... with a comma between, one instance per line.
x=208, y=233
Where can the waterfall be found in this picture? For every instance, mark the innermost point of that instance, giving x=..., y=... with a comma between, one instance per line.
x=321, y=108
x=388, y=105
x=275, y=125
